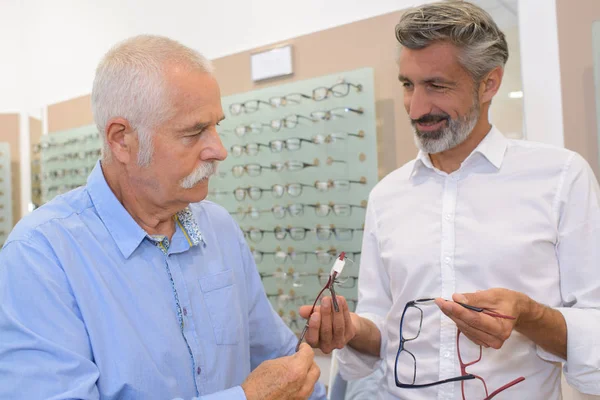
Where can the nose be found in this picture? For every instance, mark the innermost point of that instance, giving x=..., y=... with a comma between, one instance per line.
x=417, y=103
x=214, y=150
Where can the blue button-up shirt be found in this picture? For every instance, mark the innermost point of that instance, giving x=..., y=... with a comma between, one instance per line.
x=92, y=307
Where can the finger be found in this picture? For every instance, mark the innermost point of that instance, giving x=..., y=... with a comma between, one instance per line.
x=479, y=321
x=304, y=311
x=305, y=356
x=314, y=326
x=311, y=379
x=482, y=298
x=474, y=336
x=326, y=333
x=339, y=325
x=349, y=327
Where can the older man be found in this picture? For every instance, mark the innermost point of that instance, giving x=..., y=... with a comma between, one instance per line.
x=508, y=228
x=129, y=288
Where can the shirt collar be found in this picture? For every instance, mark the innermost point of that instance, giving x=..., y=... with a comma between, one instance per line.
x=492, y=147
x=120, y=224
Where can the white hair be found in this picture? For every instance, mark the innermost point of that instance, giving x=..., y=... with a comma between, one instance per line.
x=130, y=84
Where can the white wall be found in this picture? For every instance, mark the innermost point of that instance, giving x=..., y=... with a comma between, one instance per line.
x=11, y=90
x=66, y=38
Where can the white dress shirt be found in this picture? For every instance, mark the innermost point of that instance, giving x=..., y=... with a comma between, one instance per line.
x=517, y=215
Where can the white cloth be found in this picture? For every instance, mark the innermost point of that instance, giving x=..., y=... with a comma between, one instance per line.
x=517, y=215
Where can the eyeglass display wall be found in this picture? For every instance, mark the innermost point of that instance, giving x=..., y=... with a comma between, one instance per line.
x=6, y=216
x=302, y=161
x=65, y=160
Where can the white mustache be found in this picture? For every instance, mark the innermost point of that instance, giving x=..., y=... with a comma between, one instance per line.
x=204, y=171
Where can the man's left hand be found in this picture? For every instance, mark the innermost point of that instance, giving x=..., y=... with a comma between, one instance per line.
x=482, y=329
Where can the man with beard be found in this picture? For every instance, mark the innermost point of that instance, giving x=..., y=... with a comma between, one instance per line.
x=130, y=287
x=508, y=228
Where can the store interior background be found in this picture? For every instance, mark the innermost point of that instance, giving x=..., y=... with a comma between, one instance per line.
x=50, y=50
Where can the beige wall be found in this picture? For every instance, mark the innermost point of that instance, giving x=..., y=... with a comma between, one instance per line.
x=577, y=76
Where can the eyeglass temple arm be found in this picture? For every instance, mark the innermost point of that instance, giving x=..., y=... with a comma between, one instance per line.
x=503, y=388
x=485, y=311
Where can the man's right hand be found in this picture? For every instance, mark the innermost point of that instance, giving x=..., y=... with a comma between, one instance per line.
x=286, y=378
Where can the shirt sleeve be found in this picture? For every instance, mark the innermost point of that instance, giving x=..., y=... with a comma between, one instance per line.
x=374, y=302
x=280, y=340
x=41, y=329
x=578, y=251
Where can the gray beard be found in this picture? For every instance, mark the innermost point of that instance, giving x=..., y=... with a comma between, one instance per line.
x=446, y=138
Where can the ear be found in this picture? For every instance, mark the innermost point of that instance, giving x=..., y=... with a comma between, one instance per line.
x=121, y=139
x=491, y=84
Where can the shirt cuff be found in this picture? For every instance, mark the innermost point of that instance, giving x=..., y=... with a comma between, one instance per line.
x=354, y=364
x=582, y=367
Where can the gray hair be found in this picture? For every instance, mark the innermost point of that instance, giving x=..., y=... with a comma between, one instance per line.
x=130, y=84
x=465, y=25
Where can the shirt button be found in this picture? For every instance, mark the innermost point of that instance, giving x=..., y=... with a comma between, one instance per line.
x=447, y=259
x=198, y=370
x=185, y=311
x=447, y=354
x=448, y=217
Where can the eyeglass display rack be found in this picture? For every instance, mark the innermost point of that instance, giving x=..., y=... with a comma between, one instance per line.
x=66, y=159
x=333, y=117
x=6, y=215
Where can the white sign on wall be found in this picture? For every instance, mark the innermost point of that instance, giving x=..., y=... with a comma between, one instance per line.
x=272, y=63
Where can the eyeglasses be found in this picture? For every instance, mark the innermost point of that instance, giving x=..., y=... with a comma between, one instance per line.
x=405, y=370
x=252, y=212
x=250, y=169
x=248, y=107
x=255, y=127
x=290, y=276
x=341, y=89
x=338, y=184
x=335, y=272
x=326, y=115
x=343, y=234
x=281, y=256
x=278, y=101
x=250, y=149
x=255, y=193
x=293, y=165
x=254, y=234
x=291, y=121
x=347, y=282
x=291, y=144
x=340, y=210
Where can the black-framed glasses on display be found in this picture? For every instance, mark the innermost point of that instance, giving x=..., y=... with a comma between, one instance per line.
x=405, y=369
x=254, y=234
x=247, y=107
x=326, y=115
x=290, y=121
x=284, y=299
x=336, y=271
x=341, y=89
x=250, y=149
x=328, y=256
x=252, y=170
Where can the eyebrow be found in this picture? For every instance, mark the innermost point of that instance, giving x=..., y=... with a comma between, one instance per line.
x=435, y=79
x=198, y=126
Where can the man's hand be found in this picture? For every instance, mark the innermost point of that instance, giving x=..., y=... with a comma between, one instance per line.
x=483, y=329
x=328, y=329
x=286, y=378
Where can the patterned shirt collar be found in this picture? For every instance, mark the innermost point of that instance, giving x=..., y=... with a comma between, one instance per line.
x=187, y=223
